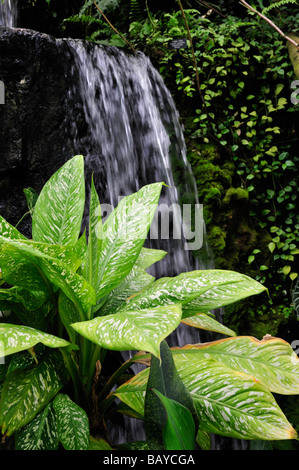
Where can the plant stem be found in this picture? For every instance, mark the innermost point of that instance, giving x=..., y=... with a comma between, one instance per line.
x=95, y=357
x=114, y=29
x=270, y=23
x=80, y=395
x=113, y=379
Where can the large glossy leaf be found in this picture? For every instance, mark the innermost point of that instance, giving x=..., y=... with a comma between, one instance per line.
x=163, y=378
x=124, y=233
x=58, y=212
x=94, y=239
x=143, y=329
x=30, y=300
x=228, y=402
x=149, y=256
x=72, y=423
x=68, y=255
x=40, y=434
x=20, y=269
x=271, y=361
x=232, y=403
x=26, y=392
x=136, y=280
x=75, y=287
x=197, y=291
x=179, y=429
x=206, y=322
x=9, y=231
x=16, y=338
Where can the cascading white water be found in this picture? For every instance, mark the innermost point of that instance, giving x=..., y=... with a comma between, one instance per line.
x=8, y=13
x=132, y=136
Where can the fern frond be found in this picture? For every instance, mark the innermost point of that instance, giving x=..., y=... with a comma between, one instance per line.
x=278, y=5
x=86, y=19
x=136, y=11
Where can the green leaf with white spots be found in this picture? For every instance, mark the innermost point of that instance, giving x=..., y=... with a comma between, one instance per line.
x=197, y=291
x=228, y=402
x=72, y=423
x=75, y=287
x=40, y=434
x=144, y=329
x=94, y=239
x=149, y=256
x=26, y=392
x=124, y=234
x=136, y=280
x=205, y=322
x=19, y=269
x=58, y=212
x=16, y=338
x=66, y=254
x=271, y=361
x=9, y=231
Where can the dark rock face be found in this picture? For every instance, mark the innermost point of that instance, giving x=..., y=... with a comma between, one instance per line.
x=34, y=136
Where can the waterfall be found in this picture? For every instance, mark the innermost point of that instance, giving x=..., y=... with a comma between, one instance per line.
x=8, y=13
x=133, y=137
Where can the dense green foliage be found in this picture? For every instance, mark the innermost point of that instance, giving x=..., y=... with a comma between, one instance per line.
x=69, y=299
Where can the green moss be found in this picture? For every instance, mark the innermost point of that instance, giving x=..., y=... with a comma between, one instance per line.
x=237, y=195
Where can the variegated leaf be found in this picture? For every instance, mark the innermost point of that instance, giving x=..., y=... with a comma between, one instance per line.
x=19, y=269
x=9, y=231
x=72, y=423
x=124, y=233
x=58, y=212
x=206, y=322
x=94, y=239
x=16, y=338
x=228, y=402
x=198, y=291
x=30, y=300
x=40, y=434
x=136, y=280
x=149, y=256
x=271, y=361
x=75, y=287
x=66, y=254
x=232, y=403
x=26, y=392
x=143, y=329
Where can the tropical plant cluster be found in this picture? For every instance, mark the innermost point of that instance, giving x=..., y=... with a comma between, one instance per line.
x=69, y=298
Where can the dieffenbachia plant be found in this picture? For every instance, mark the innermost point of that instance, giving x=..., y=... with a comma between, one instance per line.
x=68, y=298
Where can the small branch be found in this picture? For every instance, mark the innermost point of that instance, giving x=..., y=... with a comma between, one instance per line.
x=270, y=23
x=212, y=8
x=114, y=29
x=193, y=53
